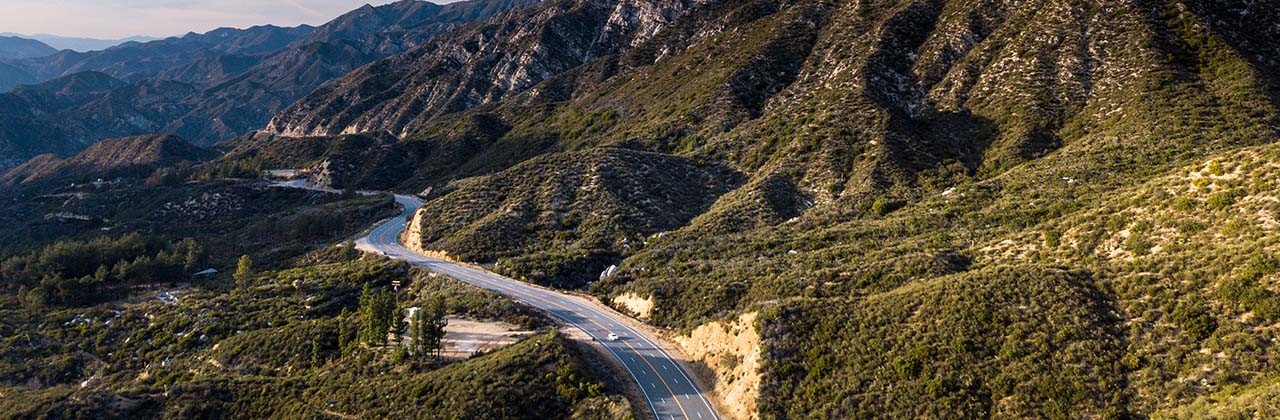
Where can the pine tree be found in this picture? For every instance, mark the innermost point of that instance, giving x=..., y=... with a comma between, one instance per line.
x=349, y=251
x=100, y=276
x=395, y=319
x=435, y=322
x=367, y=315
x=418, y=333
x=316, y=357
x=385, y=314
x=193, y=254
x=344, y=332
x=377, y=314
x=244, y=270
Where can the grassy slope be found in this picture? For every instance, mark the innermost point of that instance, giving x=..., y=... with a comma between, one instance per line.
x=1197, y=100
x=554, y=216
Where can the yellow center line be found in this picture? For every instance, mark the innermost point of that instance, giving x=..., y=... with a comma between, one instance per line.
x=674, y=397
x=532, y=293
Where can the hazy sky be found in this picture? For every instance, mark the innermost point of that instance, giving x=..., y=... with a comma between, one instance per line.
x=121, y=18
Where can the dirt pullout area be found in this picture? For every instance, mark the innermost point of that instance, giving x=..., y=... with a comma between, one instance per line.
x=636, y=305
x=732, y=351
x=464, y=337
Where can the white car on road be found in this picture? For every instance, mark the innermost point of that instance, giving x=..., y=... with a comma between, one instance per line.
x=612, y=337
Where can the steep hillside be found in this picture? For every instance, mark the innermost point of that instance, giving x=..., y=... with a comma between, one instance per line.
x=560, y=219
x=130, y=156
x=960, y=185
x=134, y=61
x=65, y=115
x=475, y=66
x=12, y=75
x=238, y=102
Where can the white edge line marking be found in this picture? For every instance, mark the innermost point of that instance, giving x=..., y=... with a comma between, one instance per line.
x=460, y=274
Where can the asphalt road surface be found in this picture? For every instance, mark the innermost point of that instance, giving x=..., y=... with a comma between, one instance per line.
x=666, y=385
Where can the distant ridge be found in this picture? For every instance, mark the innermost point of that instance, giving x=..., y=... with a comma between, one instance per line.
x=18, y=47
x=80, y=44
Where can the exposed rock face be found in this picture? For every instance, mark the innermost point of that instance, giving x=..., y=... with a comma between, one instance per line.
x=907, y=176
x=640, y=307
x=245, y=100
x=412, y=235
x=884, y=144
x=732, y=351
x=477, y=66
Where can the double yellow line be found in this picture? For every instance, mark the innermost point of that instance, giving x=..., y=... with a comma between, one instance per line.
x=532, y=294
x=674, y=396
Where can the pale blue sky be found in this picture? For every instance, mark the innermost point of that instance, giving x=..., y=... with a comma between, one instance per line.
x=120, y=18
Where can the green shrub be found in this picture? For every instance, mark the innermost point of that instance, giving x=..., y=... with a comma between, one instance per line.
x=1223, y=199
x=882, y=206
x=1194, y=318
x=1215, y=168
x=1052, y=238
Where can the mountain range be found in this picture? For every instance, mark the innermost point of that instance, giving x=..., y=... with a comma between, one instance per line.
x=886, y=208
x=205, y=87
x=79, y=44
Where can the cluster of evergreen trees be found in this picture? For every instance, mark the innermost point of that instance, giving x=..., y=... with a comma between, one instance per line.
x=378, y=313
x=379, y=318
x=75, y=273
x=426, y=329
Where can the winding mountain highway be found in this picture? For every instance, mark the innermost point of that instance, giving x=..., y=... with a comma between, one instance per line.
x=665, y=384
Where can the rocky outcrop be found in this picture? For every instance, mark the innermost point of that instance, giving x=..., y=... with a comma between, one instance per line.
x=731, y=350
x=480, y=65
x=412, y=235
x=246, y=100
x=639, y=307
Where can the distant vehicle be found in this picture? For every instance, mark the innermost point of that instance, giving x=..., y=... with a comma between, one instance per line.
x=613, y=337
